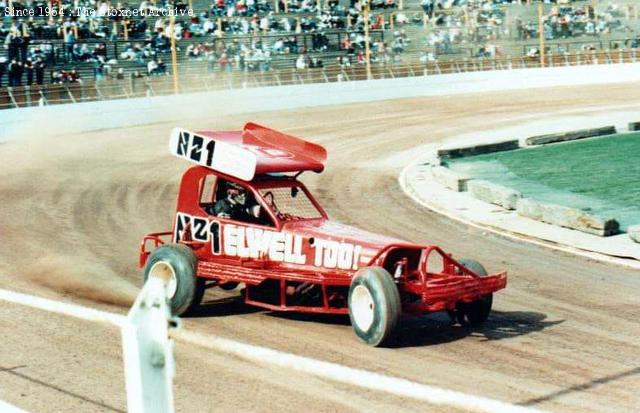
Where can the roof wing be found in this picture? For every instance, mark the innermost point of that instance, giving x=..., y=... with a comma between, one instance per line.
x=283, y=152
x=244, y=154
x=221, y=156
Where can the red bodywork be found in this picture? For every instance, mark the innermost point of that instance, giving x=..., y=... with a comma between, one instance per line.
x=286, y=255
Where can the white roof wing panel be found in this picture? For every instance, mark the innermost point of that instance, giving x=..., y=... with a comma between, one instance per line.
x=224, y=157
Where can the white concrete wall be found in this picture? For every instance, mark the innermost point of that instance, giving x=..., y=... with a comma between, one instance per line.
x=84, y=117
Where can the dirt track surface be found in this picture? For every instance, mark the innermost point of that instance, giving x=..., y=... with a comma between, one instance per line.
x=562, y=337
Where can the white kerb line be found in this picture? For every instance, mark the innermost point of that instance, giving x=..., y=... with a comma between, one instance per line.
x=348, y=375
x=72, y=310
x=322, y=369
x=8, y=408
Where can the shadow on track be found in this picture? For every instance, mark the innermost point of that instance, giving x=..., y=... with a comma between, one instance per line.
x=222, y=307
x=431, y=329
x=438, y=328
x=336, y=319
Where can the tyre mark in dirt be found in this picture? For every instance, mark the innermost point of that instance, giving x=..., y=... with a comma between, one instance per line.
x=59, y=389
x=582, y=387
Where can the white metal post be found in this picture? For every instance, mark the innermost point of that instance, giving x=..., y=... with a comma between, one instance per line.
x=148, y=353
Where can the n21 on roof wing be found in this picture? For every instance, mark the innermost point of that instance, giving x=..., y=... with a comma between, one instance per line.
x=244, y=154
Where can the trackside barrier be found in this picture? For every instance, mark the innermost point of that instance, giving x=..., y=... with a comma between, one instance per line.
x=197, y=77
x=147, y=351
x=148, y=357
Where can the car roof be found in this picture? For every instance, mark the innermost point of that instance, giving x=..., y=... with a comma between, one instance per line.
x=256, y=150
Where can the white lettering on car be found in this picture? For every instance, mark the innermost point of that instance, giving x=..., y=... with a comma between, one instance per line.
x=276, y=247
x=251, y=242
x=334, y=254
x=230, y=240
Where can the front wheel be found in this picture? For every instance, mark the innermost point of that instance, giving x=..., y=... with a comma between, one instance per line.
x=374, y=305
x=175, y=265
x=477, y=311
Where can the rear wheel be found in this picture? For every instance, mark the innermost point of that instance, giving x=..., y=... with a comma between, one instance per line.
x=374, y=305
x=474, y=312
x=175, y=265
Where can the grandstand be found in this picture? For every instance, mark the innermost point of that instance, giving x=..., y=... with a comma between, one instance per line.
x=68, y=54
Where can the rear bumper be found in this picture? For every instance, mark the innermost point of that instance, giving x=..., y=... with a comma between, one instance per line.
x=444, y=293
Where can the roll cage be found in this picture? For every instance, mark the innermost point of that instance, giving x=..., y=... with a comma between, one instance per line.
x=193, y=186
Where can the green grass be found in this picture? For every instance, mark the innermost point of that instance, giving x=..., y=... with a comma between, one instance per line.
x=600, y=175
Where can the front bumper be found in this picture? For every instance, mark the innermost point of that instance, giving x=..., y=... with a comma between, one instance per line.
x=444, y=292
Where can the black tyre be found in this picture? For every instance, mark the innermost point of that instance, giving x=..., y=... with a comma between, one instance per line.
x=374, y=305
x=474, y=312
x=176, y=265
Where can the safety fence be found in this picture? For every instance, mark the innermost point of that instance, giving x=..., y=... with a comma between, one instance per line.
x=56, y=51
x=149, y=366
x=199, y=79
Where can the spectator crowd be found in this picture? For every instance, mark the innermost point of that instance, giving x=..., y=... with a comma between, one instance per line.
x=254, y=35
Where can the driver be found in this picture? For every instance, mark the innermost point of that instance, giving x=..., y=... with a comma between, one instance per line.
x=236, y=205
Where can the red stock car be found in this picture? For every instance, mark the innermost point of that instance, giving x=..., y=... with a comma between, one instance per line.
x=287, y=252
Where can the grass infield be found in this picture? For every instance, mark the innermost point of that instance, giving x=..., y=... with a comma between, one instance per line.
x=599, y=175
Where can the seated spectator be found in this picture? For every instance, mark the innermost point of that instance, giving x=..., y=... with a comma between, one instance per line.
x=315, y=63
x=128, y=53
x=57, y=77
x=162, y=68
x=427, y=57
x=82, y=53
x=161, y=43
x=308, y=6
x=344, y=61
x=533, y=52
x=218, y=8
x=152, y=65
x=224, y=63
x=28, y=69
x=278, y=46
x=208, y=26
x=98, y=70
x=347, y=44
x=39, y=69
x=3, y=68
x=377, y=4
x=100, y=52
x=401, y=18
x=427, y=6
x=378, y=23
x=251, y=7
x=301, y=62
x=74, y=77
x=237, y=9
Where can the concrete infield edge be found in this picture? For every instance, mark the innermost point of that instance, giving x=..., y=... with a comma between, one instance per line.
x=446, y=194
x=522, y=236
